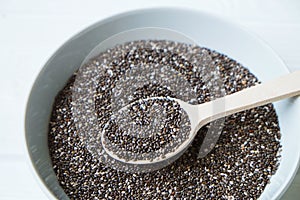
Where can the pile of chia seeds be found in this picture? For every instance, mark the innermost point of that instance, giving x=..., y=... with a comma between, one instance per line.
x=146, y=130
x=239, y=166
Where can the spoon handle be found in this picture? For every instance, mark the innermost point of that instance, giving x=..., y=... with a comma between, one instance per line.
x=280, y=88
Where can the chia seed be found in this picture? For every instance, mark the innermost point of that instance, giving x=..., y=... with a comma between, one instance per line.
x=238, y=167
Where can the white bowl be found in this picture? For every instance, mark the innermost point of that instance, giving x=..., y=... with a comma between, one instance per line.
x=207, y=31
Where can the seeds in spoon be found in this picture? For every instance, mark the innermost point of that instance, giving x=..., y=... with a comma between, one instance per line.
x=146, y=130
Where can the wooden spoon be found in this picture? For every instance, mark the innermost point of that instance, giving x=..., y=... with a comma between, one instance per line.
x=199, y=115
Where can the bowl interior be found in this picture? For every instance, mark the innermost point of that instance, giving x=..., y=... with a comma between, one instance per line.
x=205, y=30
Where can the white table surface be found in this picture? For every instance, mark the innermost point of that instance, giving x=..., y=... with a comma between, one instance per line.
x=30, y=32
